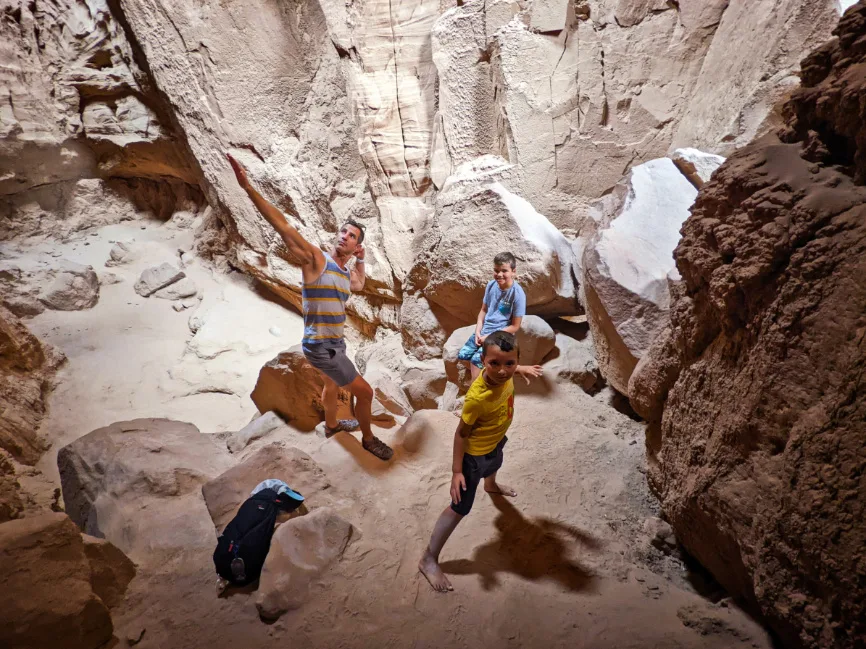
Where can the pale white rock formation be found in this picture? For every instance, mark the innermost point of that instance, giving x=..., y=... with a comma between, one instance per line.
x=628, y=263
x=72, y=97
x=254, y=430
x=301, y=550
x=391, y=80
x=281, y=108
x=573, y=361
x=183, y=288
x=475, y=220
x=386, y=363
x=746, y=72
x=696, y=165
x=156, y=277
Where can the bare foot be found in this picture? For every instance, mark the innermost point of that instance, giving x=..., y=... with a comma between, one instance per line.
x=429, y=567
x=500, y=489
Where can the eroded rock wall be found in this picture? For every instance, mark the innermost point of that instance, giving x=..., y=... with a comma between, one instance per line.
x=755, y=391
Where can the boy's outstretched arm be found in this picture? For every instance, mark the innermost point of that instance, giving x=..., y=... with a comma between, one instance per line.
x=309, y=257
x=458, y=481
x=529, y=372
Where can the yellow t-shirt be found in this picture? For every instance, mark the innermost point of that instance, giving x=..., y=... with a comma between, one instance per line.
x=489, y=411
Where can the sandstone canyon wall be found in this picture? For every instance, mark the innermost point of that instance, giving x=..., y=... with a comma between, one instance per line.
x=379, y=112
x=755, y=391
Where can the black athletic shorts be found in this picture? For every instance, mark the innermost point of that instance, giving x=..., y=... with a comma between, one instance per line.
x=475, y=469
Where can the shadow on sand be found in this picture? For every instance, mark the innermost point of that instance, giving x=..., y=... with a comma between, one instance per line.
x=531, y=549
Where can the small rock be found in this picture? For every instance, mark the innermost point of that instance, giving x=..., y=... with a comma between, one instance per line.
x=254, y=430
x=276, y=331
x=157, y=277
x=183, y=288
x=178, y=306
x=135, y=637
x=75, y=287
x=120, y=253
x=107, y=279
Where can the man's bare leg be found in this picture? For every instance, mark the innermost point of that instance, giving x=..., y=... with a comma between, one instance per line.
x=429, y=564
x=329, y=402
x=493, y=487
x=363, y=394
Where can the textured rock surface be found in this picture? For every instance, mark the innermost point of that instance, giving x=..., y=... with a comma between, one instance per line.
x=157, y=277
x=136, y=483
x=110, y=570
x=256, y=429
x=536, y=340
x=226, y=492
x=628, y=263
x=73, y=288
x=301, y=550
x=27, y=369
x=46, y=574
x=476, y=218
x=291, y=387
x=756, y=391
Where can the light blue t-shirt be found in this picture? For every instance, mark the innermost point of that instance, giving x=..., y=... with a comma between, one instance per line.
x=502, y=306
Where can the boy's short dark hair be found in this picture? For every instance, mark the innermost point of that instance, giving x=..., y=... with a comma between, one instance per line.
x=505, y=341
x=505, y=258
x=355, y=224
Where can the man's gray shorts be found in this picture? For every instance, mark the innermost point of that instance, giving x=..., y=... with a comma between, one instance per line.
x=331, y=360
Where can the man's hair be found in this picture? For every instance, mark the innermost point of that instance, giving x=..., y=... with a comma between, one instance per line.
x=355, y=224
x=505, y=258
x=505, y=341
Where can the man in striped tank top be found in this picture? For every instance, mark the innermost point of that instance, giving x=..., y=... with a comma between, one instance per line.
x=328, y=282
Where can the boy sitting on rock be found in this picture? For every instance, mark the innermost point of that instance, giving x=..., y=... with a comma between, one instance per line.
x=478, y=442
x=503, y=309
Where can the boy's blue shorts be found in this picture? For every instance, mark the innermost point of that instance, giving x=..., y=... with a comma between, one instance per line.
x=471, y=352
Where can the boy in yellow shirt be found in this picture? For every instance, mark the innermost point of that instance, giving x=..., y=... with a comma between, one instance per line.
x=478, y=442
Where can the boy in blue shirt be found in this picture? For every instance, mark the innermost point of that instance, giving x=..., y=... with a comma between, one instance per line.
x=503, y=309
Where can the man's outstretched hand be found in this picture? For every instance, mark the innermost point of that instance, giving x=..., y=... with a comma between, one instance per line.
x=240, y=172
x=359, y=253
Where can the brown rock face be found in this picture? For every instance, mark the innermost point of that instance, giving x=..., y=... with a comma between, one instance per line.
x=758, y=445
x=45, y=575
x=26, y=370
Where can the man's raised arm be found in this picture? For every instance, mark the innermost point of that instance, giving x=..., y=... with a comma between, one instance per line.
x=309, y=257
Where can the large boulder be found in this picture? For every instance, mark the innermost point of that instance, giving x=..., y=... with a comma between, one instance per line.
x=301, y=549
x=391, y=370
x=757, y=441
x=477, y=217
x=227, y=491
x=27, y=369
x=628, y=262
x=535, y=339
x=573, y=361
x=291, y=387
x=137, y=483
x=55, y=586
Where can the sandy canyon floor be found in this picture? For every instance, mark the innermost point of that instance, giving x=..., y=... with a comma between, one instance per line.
x=568, y=563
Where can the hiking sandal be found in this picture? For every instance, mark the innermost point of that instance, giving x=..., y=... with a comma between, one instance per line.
x=343, y=426
x=378, y=448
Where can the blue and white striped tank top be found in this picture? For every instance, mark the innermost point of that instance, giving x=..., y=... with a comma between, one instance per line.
x=325, y=304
